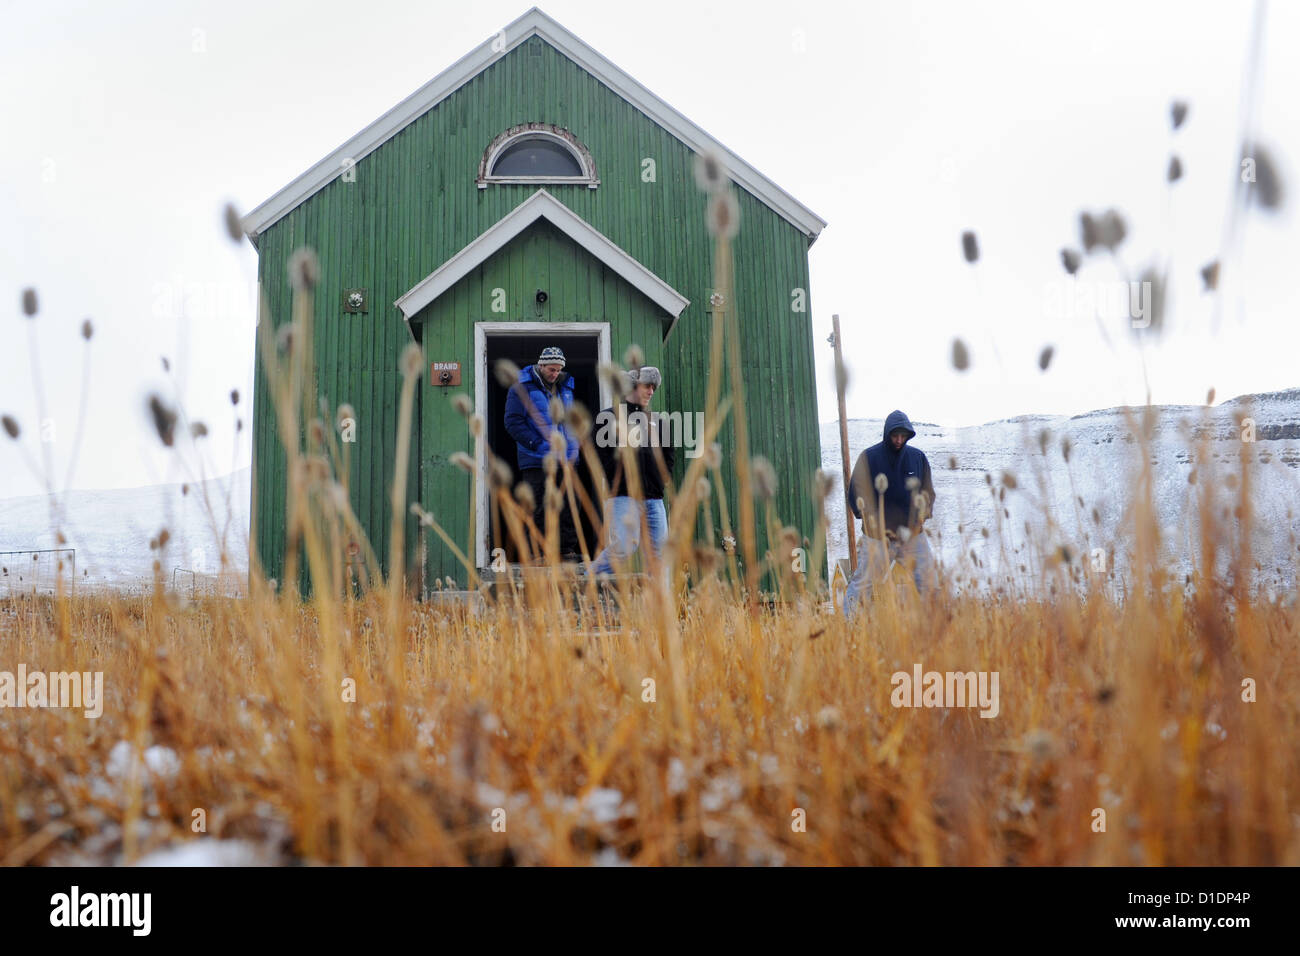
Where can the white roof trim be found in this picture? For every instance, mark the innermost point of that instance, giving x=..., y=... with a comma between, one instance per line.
x=534, y=22
x=541, y=204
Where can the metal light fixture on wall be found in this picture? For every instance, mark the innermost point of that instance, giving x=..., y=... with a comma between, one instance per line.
x=355, y=300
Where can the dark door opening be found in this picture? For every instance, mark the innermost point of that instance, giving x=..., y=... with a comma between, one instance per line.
x=581, y=356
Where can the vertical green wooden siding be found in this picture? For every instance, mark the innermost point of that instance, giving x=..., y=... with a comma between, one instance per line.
x=415, y=203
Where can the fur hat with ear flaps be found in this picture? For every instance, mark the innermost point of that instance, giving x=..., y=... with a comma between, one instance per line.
x=646, y=375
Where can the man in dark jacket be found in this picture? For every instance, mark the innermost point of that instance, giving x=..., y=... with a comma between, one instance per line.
x=528, y=420
x=631, y=424
x=892, y=492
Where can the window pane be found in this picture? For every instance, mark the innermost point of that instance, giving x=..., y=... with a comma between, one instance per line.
x=536, y=157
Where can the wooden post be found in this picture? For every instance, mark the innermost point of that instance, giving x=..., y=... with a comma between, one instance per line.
x=844, y=437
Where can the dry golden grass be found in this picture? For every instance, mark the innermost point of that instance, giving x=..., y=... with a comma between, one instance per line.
x=1137, y=710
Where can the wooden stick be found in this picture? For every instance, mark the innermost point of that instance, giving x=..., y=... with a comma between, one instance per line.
x=844, y=438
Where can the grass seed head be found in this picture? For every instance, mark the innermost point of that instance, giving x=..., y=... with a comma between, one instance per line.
x=710, y=171
x=284, y=338
x=579, y=421
x=960, y=355
x=507, y=372
x=234, y=225
x=412, y=361
x=1177, y=113
x=764, y=478
x=1154, y=280
x=164, y=419
x=1210, y=275
x=724, y=215
x=822, y=484
x=500, y=474
x=1266, y=184
x=1175, y=170
x=1105, y=231
x=304, y=269
x=615, y=379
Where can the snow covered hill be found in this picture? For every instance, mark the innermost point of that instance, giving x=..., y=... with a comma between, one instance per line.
x=1087, y=502
x=111, y=530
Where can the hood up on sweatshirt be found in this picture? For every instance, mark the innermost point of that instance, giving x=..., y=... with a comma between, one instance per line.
x=896, y=419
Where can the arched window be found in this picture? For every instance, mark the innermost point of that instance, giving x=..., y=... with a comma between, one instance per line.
x=537, y=153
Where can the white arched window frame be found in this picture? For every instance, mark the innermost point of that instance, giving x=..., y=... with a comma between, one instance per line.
x=554, y=134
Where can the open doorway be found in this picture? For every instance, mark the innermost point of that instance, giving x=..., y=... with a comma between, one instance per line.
x=585, y=346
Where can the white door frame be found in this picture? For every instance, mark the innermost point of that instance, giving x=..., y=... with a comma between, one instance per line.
x=484, y=330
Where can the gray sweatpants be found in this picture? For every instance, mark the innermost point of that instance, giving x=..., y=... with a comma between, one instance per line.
x=874, y=556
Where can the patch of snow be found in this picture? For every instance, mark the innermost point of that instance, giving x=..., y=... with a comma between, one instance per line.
x=722, y=791
x=676, y=776
x=605, y=805
x=209, y=852
x=608, y=857
x=123, y=758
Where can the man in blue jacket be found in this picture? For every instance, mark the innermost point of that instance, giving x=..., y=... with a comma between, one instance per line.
x=528, y=420
x=892, y=481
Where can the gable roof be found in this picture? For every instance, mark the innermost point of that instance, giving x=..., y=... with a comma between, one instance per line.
x=541, y=205
x=532, y=23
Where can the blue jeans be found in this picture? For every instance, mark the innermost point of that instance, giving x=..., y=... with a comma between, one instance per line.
x=623, y=525
x=874, y=556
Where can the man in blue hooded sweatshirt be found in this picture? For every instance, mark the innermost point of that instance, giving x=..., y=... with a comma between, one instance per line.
x=891, y=481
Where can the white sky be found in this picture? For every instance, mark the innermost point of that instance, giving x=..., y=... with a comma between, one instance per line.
x=901, y=124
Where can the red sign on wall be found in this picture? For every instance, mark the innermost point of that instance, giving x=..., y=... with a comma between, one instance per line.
x=444, y=373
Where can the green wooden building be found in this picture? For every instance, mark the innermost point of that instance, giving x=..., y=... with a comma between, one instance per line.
x=532, y=194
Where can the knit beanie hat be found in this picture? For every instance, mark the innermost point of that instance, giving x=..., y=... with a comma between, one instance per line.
x=551, y=356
